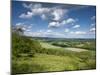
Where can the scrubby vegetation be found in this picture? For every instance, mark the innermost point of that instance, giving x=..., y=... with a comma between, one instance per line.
x=44, y=55
x=23, y=48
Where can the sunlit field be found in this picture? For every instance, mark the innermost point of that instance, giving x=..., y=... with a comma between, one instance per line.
x=46, y=57
x=52, y=37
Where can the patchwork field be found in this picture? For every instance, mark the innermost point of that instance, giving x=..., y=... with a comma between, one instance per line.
x=46, y=55
x=76, y=49
x=49, y=46
x=52, y=37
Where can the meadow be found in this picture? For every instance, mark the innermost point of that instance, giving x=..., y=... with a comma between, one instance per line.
x=35, y=55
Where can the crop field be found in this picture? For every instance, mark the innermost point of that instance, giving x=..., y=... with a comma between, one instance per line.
x=47, y=45
x=76, y=49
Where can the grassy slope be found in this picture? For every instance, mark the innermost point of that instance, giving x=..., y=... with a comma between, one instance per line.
x=44, y=63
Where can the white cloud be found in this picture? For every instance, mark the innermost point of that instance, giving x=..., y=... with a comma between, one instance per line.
x=23, y=26
x=92, y=30
x=28, y=15
x=35, y=9
x=58, y=13
x=18, y=24
x=43, y=16
x=67, y=30
x=78, y=32
x=40, y=11
x=36, y=34
x=44, y=12
x=76, y=26
x=44, y=33
x=70, y=20
x=49, y=31
x=63, y=22
x=53, y=14
x=93, y=18
x=53, y=24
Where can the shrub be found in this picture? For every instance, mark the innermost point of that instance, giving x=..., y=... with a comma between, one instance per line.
x=21, y=44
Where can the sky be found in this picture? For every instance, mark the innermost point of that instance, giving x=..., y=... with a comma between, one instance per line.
x=39, y=19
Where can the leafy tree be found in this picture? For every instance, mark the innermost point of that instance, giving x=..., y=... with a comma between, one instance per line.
x=21, y=44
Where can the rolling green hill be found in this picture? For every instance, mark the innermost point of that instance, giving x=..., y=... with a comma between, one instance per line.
x=31, y=55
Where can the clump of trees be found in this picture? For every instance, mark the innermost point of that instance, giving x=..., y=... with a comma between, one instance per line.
x=22, y=45
x=23, y=48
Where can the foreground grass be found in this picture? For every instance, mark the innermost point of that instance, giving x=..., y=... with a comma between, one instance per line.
x=47, y=63
x=29, y=56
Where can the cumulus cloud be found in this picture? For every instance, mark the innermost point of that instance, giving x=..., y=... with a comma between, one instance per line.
x=39, y=11
x=92, y=30
x=70, y=20
x=27, y=15
x=54, y=24
x=76, y=26
x=53, y=14
x=35, y=9
x=58, y=13
x=44, y=12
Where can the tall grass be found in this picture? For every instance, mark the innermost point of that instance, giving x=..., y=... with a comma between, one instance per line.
x=29, y=56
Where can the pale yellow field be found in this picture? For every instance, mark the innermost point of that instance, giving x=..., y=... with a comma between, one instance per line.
x=76, y=49
x=49, y=46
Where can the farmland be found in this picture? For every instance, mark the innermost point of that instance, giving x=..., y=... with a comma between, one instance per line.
x=52, y=37
x=52, y=54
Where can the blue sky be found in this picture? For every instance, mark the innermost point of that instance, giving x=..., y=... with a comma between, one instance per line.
x=54, y=20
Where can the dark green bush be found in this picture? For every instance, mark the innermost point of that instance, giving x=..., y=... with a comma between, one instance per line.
x=21, y=44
